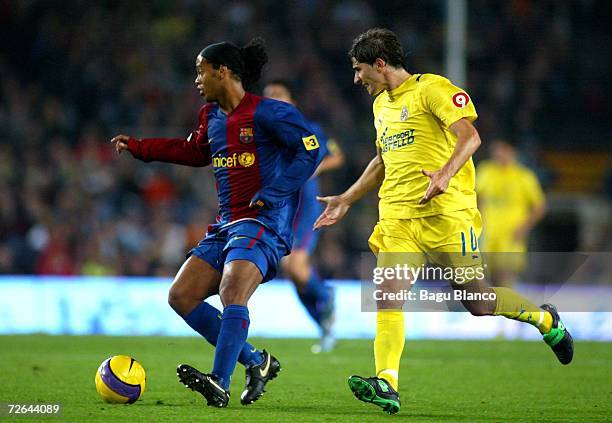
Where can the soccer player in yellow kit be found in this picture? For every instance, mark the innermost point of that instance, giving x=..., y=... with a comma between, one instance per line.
x=425, y=140
x=512, y=203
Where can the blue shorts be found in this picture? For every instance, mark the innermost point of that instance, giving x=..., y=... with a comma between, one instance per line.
x=304, y=238
x=246, y=240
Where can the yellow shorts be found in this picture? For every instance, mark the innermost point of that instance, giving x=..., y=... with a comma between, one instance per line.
x=449, y=239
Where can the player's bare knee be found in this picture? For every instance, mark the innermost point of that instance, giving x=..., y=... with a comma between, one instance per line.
x=182, y=298
x=177, y=300
x=233, y=293
x=482, y=302
x=298, y=277
x=239, y=281
x=474, y=309
x=299, y=267
x=479, y=308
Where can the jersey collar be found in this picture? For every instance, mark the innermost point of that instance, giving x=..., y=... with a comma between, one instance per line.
x=405, y=86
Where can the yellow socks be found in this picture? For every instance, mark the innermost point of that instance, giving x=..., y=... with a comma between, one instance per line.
x=514, y=306
x=389, y=344
x=390, y=335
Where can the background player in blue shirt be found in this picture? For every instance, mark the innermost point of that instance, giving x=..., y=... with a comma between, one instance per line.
x=315, y=295
x=262, y=152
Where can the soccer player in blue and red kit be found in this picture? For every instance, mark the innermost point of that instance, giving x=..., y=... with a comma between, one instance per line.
x=262, y=151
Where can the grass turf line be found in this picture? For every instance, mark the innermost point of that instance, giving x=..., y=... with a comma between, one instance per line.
x=439, y=381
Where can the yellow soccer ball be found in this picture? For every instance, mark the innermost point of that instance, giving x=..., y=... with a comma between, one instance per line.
x=120, y=380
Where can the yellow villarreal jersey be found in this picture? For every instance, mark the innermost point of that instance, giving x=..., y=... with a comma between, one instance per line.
x=508, y=193
x=412, y=131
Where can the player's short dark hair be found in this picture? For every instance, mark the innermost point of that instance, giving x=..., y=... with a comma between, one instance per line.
x=378, y=43
x=246, y=62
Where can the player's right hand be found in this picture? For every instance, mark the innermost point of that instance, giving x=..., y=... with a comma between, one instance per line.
x=121, y=143
x=334, y=211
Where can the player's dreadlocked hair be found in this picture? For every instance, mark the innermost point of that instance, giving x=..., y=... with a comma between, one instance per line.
x=246, y=62
x=378, y=43
x=255, y=57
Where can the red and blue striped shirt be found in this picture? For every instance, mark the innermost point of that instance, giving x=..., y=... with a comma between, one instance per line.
x=263, y=150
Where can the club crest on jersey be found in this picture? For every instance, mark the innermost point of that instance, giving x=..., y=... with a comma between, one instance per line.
x=404, y=114
x=246, y=135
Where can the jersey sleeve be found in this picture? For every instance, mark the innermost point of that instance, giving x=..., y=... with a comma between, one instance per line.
x=288, y=127
x=324, y=146
x=446, y=101
x=191, y=151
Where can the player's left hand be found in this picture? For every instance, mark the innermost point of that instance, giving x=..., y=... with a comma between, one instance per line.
x=438, y=183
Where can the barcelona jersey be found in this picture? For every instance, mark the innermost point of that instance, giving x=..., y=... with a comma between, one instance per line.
x=263, y=150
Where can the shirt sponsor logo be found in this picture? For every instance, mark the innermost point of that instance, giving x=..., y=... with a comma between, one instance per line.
x=246, y=135
x=235, y=160
x=246, y=159
x=461, y=100
x=396, y=141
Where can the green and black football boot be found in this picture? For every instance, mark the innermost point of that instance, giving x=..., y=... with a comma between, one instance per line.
x=376, y=391
x=559, y=338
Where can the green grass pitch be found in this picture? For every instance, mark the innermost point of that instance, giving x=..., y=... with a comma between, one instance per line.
x=464, y=381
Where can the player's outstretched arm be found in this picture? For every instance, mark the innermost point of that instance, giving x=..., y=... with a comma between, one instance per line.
x=190, y=152
x=468, y=142
x=338, y=205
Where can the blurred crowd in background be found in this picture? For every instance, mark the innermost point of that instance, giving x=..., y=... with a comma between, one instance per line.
x=74, y=74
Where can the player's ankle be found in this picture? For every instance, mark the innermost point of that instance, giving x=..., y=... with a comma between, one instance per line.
x=547, y=322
